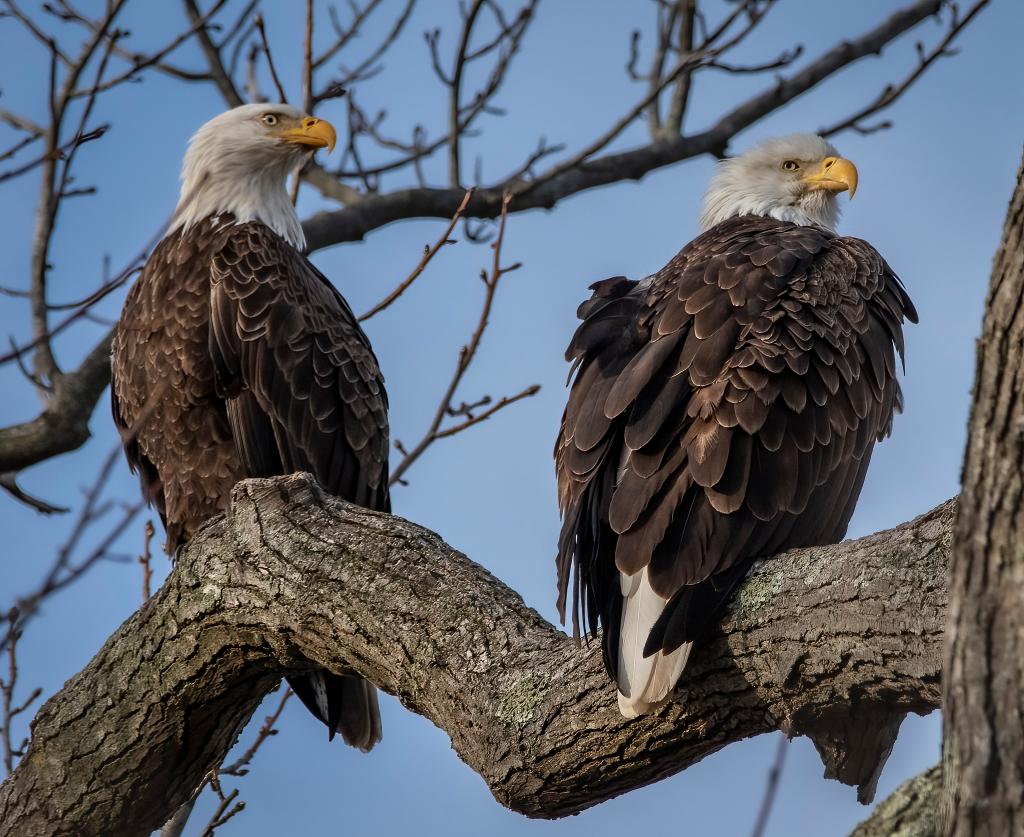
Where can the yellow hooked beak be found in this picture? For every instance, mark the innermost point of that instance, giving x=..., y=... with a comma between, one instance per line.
x=836, y=174
x=316, y=133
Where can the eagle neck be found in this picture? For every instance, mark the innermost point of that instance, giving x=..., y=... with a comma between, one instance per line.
x=246, y=196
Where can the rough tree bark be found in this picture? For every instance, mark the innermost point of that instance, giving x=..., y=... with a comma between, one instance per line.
x=291, y=578
x=983, y=748
x=910, y=811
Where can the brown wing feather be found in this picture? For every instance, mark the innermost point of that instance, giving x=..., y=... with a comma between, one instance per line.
x=303, y=386
x=722, y=411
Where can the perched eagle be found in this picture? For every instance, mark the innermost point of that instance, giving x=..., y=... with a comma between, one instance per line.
x=234, y=357
x=723, y=409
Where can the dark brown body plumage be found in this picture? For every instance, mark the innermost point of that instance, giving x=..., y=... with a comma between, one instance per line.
x=234, y=357
x=722, y=411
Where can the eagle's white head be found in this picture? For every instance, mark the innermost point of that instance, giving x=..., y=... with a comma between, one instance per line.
x=239, y=162
x=795, y=178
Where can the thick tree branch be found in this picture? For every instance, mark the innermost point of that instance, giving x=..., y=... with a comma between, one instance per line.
x=291, y=578
x=63, y=425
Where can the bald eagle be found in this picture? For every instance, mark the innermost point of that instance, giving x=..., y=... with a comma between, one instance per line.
x=722, y=410
x=234, y=357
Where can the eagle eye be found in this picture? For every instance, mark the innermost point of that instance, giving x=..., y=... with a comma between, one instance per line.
x=791, y=165
x=270, y=119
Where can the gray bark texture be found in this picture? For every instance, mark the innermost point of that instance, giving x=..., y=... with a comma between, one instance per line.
x=912, y=810
x=291, y=578
x=983, y=741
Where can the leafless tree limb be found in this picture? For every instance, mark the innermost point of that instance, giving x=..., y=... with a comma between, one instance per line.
x=45, y=367
x=9, y=483
x=240, y=767
x=771, y=787
x=145, y=560
x=227, y=808
x=221, y=77
x=454, y=104
x=9, y=710
x=893, y=92
x=65, y=569
x=467, y=353
x=63, y=425
x=368, y=212
x=428, y=254
x=687, y=63
x=265, y=46
x=359, y=16
x=983, y=694
x=369, y=66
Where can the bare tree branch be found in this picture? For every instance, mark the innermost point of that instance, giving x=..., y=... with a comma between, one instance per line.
x=220, y=75
x=292, y=579
x=45, y=366
x=65, y=570
x=9, y=710
x=369, y=65
x=265, y=46
x=467, y=353
x=63, y=425
x=428, y=254
x=771, y=789
x=892, y=92
x=372, y=211
x=454, y=104
x=687, y=13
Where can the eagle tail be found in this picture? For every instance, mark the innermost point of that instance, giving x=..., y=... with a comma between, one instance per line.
x=345, y=704
x=645, y=682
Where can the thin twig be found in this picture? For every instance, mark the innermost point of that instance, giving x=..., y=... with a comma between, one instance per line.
x=466, y=355
x=307, y=90
x=44, y=363
x=771, y=789
x=148, y=531
x=140, y=62
x=454, y=108
x=359, y=15
x=428, y=253
x=368, y=66
x=673, y=125
x=225, y=810
x=20, y=145
x=8, y=709
x=83, y=309
x=9, y=484
x=262, y=30
x=686, y=64
x=240, y=767
x=500, y=404
x=892, y=92
x=221, y=77
x=65, y=570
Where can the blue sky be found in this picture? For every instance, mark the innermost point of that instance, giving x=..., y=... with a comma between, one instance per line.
x=932, y=199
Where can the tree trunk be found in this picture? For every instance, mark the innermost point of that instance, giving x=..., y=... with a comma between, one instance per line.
x=983, y=749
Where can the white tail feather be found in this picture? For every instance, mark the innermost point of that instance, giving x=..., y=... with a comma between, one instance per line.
x=644, y=682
